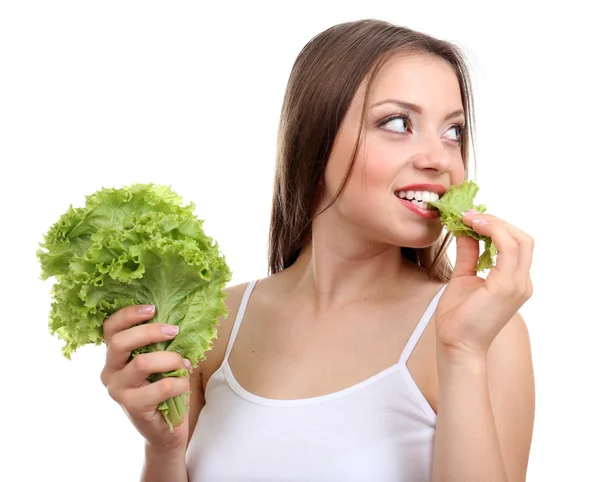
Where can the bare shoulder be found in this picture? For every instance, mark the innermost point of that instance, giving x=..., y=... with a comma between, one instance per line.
x=510, y=363
x=512, y=346
x=509, y=359
x=214, y=357
x=512, y=393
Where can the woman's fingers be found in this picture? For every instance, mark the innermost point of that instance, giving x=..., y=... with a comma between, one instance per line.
x=135, y=374
x=515, y=250
x=124, y=342
x=526, y=245
x=145, y=399
x=123, y=334
x=467, y=254
x=128, y=379
x=508, y=249
x=142, y=366
x=126, y=318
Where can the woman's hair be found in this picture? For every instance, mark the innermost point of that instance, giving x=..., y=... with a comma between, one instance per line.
x=322, y=84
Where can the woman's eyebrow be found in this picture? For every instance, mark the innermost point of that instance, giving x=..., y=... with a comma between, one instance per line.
x=416, y=108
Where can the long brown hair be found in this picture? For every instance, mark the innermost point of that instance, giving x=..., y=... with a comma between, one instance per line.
x=321, y=86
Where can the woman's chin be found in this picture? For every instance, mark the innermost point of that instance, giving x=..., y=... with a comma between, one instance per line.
x=417, y=242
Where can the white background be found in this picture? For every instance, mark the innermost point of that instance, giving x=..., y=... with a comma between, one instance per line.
x=109, y=93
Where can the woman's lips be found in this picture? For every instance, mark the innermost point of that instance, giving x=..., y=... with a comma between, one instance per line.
x=425, y=213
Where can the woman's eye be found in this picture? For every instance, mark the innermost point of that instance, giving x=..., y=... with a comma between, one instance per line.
x=398, y=124
x=401, y=125
x=458, y=132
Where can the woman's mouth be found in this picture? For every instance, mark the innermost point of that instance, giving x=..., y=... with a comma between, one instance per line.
x=419, y=198
x=416, y=201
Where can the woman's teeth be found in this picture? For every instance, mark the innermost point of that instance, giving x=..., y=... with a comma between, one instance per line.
x=419, y=198
x=422, y=204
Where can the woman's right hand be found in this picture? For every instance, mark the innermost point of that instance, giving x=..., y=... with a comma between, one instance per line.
x=127, y=382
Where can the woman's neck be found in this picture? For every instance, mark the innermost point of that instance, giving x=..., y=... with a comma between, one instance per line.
x=335, y=269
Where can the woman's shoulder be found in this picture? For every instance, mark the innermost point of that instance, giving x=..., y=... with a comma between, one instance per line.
x=215, y=355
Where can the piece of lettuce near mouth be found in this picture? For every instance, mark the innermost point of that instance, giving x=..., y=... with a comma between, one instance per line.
x=451, y=205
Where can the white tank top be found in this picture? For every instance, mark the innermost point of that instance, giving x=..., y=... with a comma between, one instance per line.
x=379, y=430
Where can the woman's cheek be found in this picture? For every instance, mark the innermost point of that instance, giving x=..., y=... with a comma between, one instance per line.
x=381, y=168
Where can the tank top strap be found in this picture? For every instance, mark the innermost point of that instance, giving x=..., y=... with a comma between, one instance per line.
x=421, y=325
x=239, y=317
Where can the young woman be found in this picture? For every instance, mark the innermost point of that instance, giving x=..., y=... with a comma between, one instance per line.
x=363, y=356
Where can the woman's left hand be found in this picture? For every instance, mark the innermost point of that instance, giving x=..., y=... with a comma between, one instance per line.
x=473, y=310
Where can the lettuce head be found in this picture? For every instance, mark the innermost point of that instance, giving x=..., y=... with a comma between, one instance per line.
x=135, y=245
x=451, y=205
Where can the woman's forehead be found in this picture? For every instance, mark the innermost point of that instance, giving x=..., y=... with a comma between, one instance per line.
x=415, y=78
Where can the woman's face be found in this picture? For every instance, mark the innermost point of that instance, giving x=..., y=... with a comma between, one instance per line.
x=410, y=148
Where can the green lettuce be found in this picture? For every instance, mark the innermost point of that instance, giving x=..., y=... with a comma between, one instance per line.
x=135, y=245
x=451, y=205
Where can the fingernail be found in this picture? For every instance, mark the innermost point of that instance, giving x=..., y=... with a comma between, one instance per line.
x=170, y=329
x=479, y=221
x=470, y=212
x=187, y=363
x=146, y=309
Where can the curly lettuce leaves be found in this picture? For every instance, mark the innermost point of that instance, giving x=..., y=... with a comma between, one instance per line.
x=451, y=205
x=135, y=245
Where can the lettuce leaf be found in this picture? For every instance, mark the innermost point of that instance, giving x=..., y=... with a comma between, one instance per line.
x=135, y=245
x=451, y=205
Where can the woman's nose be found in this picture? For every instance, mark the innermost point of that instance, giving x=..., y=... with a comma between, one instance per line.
x=433, y=154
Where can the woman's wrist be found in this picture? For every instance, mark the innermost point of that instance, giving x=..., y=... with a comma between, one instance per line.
x=165, y=453
x=164, y=464
x=453, y=361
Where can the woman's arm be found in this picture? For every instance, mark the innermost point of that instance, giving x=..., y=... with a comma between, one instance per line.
x=163, y=466
x=170, y=466
x=486, y=411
